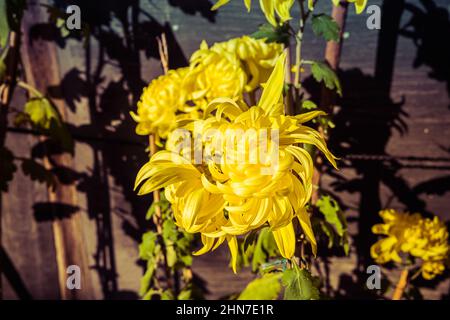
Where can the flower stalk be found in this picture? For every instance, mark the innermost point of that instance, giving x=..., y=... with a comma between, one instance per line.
x=401, y=285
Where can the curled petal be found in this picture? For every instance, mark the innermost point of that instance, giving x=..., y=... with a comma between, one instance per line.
x=233, y=246
x=285, y=239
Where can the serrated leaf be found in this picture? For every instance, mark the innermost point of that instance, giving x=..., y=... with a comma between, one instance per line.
x=41, y=112
x=45, y=117
x=299, y=285
x=330, y=210
x=148, y=247
x=267, y=287
x=323, y=73
x=272, y=34
x=324, y=25
x=309, y=105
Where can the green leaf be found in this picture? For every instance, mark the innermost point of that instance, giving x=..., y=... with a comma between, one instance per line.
x=61, y=25
x=4, y=25
x=41, y=112
x=265, y=248
x=167, y=295
x=250, y=240
x=45, y=117
x=150, y=212
x=7, y=168
x=324, y=25
x=185, y=294
x=272, y=34
x=267, y=287
x=323, y=73
x=38, y=172
x=185, y=258
x=2, y=70
x=147, y=278
x=163, y=204
x=149, y=247
x=169, y=231
x=329, y=232
x=150, y=293
x=171, y=256
x=299, y=285
x=330, y=209
x=345, y=243
x=309, y=105
x=334, y=217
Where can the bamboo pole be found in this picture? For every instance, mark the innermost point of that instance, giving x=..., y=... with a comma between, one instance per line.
x=41, y=70
x=156, y=195
x=157, y=216
x=164, y=57
x=333, y=53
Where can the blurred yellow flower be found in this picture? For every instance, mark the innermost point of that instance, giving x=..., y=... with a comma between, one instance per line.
x=156, y=110
x=215, y=74
x=423, y=238
x=232, y=192
x=227, y=69
x=359, y=4
x=257, y=58
x=250, y=61
x=269, y=8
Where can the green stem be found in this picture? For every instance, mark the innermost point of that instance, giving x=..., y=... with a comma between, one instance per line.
x=32, y=90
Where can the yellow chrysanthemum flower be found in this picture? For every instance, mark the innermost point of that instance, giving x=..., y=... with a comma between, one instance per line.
x=256, y=57
x=359, y=4
x=228, y=193
x=423, y=238
x=215, y=74
x=227, y=69
x=269, y=8
x=156, y=112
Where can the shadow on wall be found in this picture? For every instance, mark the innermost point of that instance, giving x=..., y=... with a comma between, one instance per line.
x=366, y=121
x=429, y=29
x=119, y=32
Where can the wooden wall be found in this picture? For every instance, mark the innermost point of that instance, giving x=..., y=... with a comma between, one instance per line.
x=392, y=134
